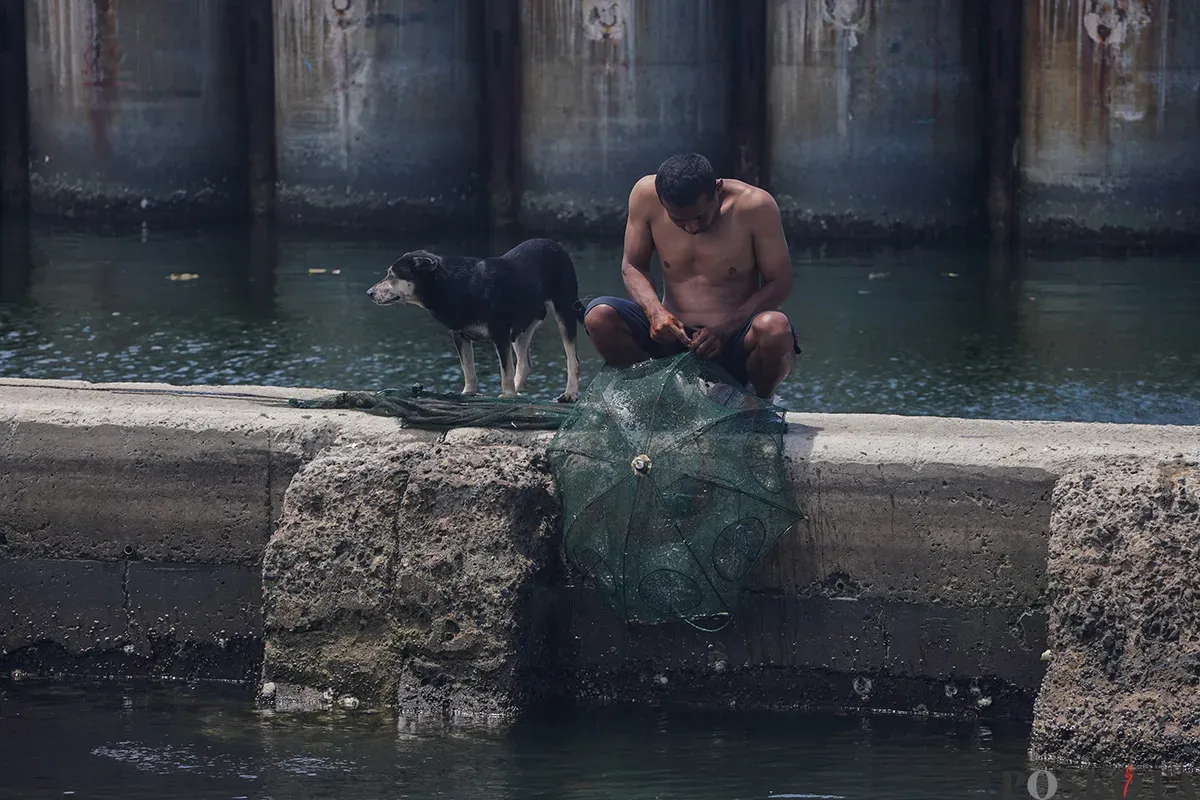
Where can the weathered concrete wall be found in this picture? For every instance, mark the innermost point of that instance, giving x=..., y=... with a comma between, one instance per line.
x=1110, y=142
x=872, y=124
x=917, y=583
x=378, y=112
x=610, y=90
x=1123, y=685
x=132, y=525
x=136, y=109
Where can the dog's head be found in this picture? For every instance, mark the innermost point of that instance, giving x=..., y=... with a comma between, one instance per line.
x=404, y=278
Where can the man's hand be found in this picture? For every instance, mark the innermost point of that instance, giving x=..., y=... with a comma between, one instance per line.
x=665, y=328
x=710, y=341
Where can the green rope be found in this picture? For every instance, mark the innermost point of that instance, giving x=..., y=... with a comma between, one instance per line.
x=442, y=412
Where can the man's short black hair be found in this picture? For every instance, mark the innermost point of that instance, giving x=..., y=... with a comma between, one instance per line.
x=682, y=179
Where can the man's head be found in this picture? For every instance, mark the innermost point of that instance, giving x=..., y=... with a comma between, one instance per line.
x=689, y=191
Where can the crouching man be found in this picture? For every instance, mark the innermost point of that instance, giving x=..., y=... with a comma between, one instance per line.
x=725, y=268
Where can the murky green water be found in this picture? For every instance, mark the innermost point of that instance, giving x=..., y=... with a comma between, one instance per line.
x=907, y=332
x=138, y=742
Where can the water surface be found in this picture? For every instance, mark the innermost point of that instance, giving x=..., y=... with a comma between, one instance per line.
x=936, y=331
x=173, y=743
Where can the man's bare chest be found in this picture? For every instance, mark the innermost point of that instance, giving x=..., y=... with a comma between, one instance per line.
x=727, y=256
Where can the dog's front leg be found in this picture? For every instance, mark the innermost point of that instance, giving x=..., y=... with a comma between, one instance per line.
x=466, y=358
x=508, y=370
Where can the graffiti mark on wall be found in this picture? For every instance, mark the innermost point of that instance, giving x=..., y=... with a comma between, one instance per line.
x=849, y=16
x=1110, y=22
x=604, y=20
x=351, y=64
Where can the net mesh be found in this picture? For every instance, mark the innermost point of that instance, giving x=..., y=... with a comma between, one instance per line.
x=419, y=408
x=674, y=485
x=672, y=479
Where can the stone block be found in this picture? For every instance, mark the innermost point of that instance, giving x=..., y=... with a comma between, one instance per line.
x=1123, y=686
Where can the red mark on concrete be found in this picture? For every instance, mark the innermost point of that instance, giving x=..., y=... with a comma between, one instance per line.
x=1128, y=778
x=100, y=71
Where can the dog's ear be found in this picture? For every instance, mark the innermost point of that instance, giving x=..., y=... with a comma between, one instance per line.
x=424, y=262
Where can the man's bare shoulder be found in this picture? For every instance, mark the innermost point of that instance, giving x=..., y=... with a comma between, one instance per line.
x=644, y=189
x=642, y=196
x=751, y=200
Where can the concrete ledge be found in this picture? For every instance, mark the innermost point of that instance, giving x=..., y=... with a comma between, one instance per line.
x=918, y=581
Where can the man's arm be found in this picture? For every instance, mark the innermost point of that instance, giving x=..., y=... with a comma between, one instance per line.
x=639, y=246
x=635, y=265
x=772, y=257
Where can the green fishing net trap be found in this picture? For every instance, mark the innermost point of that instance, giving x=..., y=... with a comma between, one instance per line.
x=672, y=479
x=674, y=485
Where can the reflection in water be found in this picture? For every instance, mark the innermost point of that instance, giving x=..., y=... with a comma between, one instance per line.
x=174, y=743
x=950, y=332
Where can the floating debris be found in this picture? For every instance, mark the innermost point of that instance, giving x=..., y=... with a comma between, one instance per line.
x=182, y=276
x=317, y=270
x=874, y=276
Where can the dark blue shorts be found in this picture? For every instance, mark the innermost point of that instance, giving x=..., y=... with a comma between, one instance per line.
x=733, y=355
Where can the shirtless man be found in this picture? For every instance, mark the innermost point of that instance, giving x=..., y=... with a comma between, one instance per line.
x=725, y=270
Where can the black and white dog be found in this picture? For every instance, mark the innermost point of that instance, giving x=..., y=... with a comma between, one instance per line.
x=500, y=300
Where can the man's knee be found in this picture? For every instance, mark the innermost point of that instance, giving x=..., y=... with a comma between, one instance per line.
x=773, y=330
x=602, y=321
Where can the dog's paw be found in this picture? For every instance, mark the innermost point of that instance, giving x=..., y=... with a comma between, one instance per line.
x=469, y=392
x=568, y=397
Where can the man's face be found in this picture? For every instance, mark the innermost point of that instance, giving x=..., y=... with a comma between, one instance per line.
x=699, y=215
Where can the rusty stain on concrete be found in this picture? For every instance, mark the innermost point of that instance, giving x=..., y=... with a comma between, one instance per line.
x=610, y=89
x=100, y=70
x=378, y=111
x=1109, y=127
x=134, y=108
x=872, y=117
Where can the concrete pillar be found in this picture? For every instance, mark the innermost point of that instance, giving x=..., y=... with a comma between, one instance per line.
x=872, y=124
x=750, y=90
x=1110, y=137
x=14, y=108
x=378, y=113
x=502, y=92
x=135, y=108
x=259, y=53
x=609, y=90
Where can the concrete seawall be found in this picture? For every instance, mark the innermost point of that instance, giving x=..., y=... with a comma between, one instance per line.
x=1054, y=120
x=135, y=519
